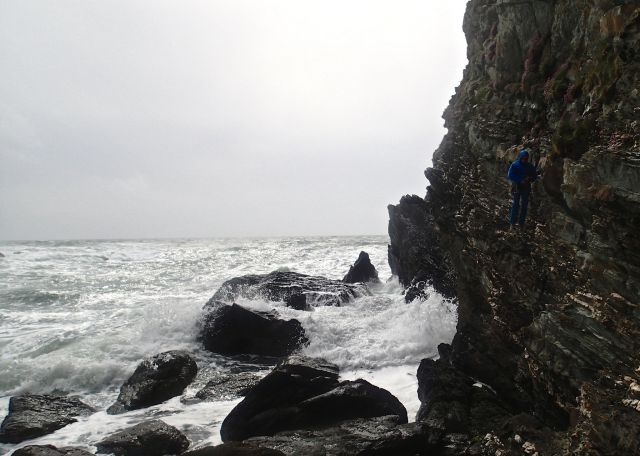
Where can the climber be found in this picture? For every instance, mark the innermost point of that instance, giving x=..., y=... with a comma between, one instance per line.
x=521, y=174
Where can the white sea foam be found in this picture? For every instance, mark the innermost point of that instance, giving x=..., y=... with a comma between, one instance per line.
x=75, y=322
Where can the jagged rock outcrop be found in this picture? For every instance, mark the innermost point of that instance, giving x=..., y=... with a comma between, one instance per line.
x=362, y=271
x=156, y=380
x=280, y=286
x=235, y=330
x=549, y=317
x=35, y=415
x=150, y=438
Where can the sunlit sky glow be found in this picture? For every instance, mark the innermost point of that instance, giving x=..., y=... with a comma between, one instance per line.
x=207, y=118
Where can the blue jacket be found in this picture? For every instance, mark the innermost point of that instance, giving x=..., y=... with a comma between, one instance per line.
x=519, y=170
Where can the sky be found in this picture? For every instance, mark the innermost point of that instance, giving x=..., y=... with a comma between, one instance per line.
x=219, y=118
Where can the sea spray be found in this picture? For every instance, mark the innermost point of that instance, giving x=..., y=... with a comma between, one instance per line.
x=78, y=316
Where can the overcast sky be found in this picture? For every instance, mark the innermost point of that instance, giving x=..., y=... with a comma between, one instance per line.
x=206, y=118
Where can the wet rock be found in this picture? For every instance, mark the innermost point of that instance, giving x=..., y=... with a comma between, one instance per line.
x=234, y=330
x=294, y=380
x=303, y=393
x=156, y=380
x=378, y=436
x=298, y=301
x=151, y=438
x=234, y=449
x=50, y=450
x=548, y=317
x=362, y=271
x=280, y=286
x=350, y=399
x=224, y=386
x=34, y=415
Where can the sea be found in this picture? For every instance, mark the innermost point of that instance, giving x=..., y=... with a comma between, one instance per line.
x=77, y=317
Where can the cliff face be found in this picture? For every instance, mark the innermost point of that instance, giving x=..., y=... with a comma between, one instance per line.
x=549, y=317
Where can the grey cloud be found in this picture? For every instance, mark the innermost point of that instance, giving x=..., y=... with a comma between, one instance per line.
x=143, y=118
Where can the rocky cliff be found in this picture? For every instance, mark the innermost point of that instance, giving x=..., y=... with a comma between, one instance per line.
x=549, y=316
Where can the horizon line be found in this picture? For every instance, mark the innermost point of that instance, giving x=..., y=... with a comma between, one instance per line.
x=192, y=238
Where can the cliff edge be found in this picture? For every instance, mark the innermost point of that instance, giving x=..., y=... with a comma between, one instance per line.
x=549, y=317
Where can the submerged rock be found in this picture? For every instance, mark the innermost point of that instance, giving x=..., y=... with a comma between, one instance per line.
x=151, y=438
x=234, y=330
x=34, y=415
x=305, y=393
x=362, y=271
x=234, y=449
x=50, y=450
x=280, y=286
x=156, y=380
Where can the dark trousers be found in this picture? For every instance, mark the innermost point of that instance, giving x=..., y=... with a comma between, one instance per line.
x=519, y=207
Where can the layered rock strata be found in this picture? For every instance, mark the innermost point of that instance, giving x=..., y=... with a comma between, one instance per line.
x=549, y=317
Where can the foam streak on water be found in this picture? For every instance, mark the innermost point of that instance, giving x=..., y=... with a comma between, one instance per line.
x=78, y=316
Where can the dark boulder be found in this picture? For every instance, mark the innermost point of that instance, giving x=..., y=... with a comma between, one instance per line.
x=378, y=436
x=156, y=380
x=362, y=271
x=34, y=415
x=225, y=386
x=234, y=330
x=295, y=379
x=50, y=450
x=234, y=449
x=280, y=286
x=151, y=438
x=350, y=399
x=301, y=394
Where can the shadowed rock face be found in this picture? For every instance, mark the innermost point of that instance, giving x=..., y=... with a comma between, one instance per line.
x=151, y=438
x=33, y=415
x=234, y=330
x=549, y=317
x=303, y=393
x=156, y=380
x=281, y=286
x=378, y=436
